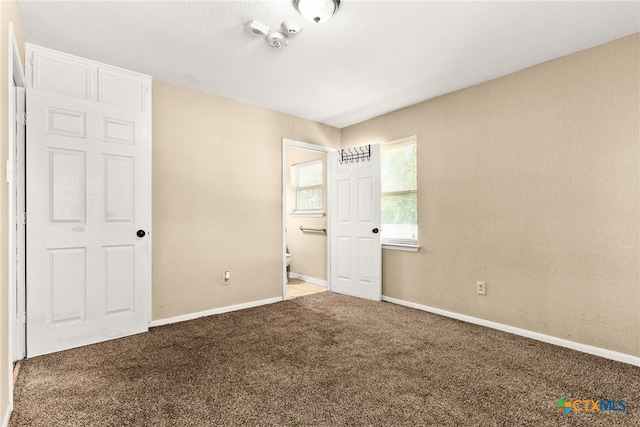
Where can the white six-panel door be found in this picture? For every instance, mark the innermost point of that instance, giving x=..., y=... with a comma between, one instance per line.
x=356, y=253
x=88, y=194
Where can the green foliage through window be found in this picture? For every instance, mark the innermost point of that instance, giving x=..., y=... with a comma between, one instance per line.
x=399, y=183
x=308, y=184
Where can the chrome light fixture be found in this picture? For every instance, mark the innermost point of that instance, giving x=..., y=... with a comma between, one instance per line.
x=316, y=11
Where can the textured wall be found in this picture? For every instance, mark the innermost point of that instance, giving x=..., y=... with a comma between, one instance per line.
x=529, y=182
x=217, y=198
x=308, y=250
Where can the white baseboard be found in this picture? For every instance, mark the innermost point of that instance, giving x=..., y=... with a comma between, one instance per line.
x=213, y=311
x=308, y=279
x=597, y=351
x=7, y=415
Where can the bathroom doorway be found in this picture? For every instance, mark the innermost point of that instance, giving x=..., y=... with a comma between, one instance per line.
x=305, y=218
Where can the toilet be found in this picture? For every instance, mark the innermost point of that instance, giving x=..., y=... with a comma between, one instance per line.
x=288, y=259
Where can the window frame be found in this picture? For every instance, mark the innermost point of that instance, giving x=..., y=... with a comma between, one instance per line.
x=295, y=179
x=402, y=244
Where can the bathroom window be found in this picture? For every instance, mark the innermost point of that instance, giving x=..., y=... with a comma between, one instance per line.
x=307, y=183
x=399, y=202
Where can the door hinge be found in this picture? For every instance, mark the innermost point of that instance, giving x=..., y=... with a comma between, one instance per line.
x=24, y=218
x=22, y=119
x=22, y=318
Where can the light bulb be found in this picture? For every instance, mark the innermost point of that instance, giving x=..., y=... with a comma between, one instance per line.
x=316, y=11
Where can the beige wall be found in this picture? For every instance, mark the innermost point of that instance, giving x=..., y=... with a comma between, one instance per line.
x=217, y=198
x=531, y=183
x=308, y=250
x=8, y=13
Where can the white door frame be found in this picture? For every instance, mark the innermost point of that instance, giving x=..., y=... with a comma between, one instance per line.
x=298, y=144
x=16, y=73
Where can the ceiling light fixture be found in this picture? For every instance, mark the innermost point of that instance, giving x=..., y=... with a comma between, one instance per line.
x=316, y=11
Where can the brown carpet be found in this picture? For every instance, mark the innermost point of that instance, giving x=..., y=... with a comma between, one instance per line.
x=321, y=360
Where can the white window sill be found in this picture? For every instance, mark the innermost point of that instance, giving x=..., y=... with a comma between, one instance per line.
x=308, y=214
x=399, y=247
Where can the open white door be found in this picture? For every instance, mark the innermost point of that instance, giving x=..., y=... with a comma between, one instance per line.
x=356, y=253
x=88, y=209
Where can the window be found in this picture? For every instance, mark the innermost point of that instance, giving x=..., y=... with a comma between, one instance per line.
x=307, y=183
x=399, y=202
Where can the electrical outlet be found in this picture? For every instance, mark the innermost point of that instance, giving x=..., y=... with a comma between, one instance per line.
x=481, y=288
x=226, y=278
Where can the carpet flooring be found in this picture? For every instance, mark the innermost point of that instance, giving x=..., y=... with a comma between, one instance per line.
x=321, y=360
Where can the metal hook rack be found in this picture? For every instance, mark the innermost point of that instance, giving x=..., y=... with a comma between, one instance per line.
x=357, y=154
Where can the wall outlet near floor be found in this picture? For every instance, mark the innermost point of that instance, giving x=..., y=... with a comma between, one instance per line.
x=481, y=288
x=226, y=278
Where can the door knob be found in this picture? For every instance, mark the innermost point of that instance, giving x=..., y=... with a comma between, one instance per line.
x=375, y=231
x=140, y=233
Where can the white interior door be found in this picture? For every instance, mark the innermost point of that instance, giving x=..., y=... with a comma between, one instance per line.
x=88, y=194
x=356, y=253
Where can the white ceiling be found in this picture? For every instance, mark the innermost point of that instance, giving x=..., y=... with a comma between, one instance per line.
x=371, y=58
